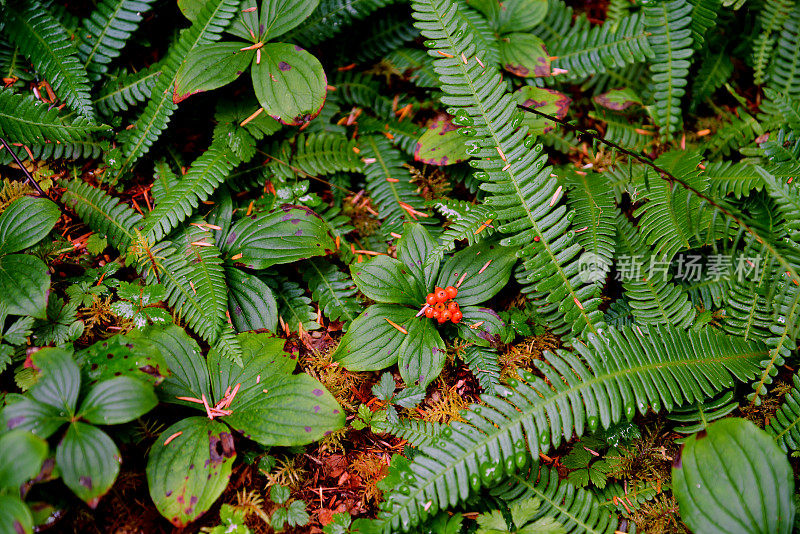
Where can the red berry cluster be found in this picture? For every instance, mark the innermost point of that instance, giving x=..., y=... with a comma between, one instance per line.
x=441, y=305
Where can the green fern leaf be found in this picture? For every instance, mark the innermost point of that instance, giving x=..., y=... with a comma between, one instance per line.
x=416, y=64
x=575, y=508
x=106, y=31
x=772, y=14
x=610, y=377
x=333, y=290
x=714, y=72
x=600, y=48
x=314, y=154
x=389, y=184
x=102, y=213
x=652, y=296
x=522, y=191
x=294, y=307
x=738, y=130
x=735, y=179
x=483, y=364
x=212, y=19
x=203, y=178
x=416, y=432
x=389, y=32
x=784, y=69
x=466, y=221
x=667, y=23
x=560, y=23
x=48, y=46
x=125, y=90
x=785, y=424
x=331, y=17
x=705, y=14
x=23, y=119
x=56, y=151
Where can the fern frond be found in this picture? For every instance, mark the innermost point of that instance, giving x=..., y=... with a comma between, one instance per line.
x=332, y=290
x=466, y=221
x=483, y=364
x=294, y=307
x=418, y=433
x=735, y=179
x=212, y=19
x=522, y=191
x=314, y=154
x=389, y=184
x=404, y=134
x=559, y=23
x=416, y=64
x=784, y=69
x=652, y=296
x=748, y=313
x=788, y=107
x=770, y=18
x=574, y=508
x=704, y=17
x=389, y=32
x=12, y=63
x=599, y=48
x=357, y=89
x=203, y=178
x=56, y=151
x=785, y=424
x=106, y=31
x=714, y=72
x=47, y=45
x=332, y=16
x=787, y=198
x=121, y=92
x=739, y=130
x=23, y=119
x=608, y=378
x=624, y=129
x=102, y=213
x=592, y=200
x=667, y=23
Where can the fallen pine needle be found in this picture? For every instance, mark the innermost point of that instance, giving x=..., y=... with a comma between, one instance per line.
x=476, y=325
x=236, y=256
x=461, y=280
x=190, y=399
x=173, y=436
x=403, y=330
x=485, y=265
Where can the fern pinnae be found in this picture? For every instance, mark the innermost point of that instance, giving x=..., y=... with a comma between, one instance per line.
x=213, y=18
x=610, y=377
x=522, y=191
x=785, y=425
x=106, y=31
x=102, y=213
x=784, y=69
x=125, y=90
x=483, y=364
x=48, y=46
x=418, y=433
x=332, y=290
x=466, y=221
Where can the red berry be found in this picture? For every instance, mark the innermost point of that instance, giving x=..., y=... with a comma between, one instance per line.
x=452, y=307
x=441, y=319
x=429, y=312
x=456, y=317
x=441, y=295
x=437, y=314
x=430, y=299
x=446, y=315
x=440, y=307
x=451, y=292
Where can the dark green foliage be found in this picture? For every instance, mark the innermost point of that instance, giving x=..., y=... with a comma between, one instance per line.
x=483, y=363
x=785, y=425
x=102, y=213
x=784, y=70
x=124, y=90
x=26, y=120
x=47, y=45
x=331, y=17
x=333, y=290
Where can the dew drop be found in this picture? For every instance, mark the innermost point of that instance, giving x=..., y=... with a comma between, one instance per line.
x=467, y=132
x=481, y=175
x=430, y=43
x=593, y=421
x=529, y=142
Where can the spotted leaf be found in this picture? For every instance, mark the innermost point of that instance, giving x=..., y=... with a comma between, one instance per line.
x=544, y=100
x=88, y=461
x=525, y=55
x=211, y=66
x=441, y=144
x=371, y=343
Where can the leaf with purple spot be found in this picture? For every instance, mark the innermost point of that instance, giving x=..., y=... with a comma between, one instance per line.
x=525, y=55
x=491, y=330
x=544, y=100
x=289, y=82
x=441, y=144
x=190, y=472
x=15, y=515
x=88, y=461
x=618, y=99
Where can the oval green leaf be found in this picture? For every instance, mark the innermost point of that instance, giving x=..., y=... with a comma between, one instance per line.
x=250, y=301
x=525, y=55
x=190, y=472
x=25, y=222
x=88, y=461
x=23, y=454
x=27, y=414
x=117, y=400
x=60, y=380
x=211, y=66
x=290, y=83
x=131, y=354
x=544, y=100
x=733, y=478
x=422, y=353
x=15, y=517
x=280, y=16
x=483, y=327
x=512, y=15
x=371, y=343
x=487, y=267
x=441, y=144
x=415, y=251
x=385, y=279
x=287, y=234
x=24, y=285
x=188, y=372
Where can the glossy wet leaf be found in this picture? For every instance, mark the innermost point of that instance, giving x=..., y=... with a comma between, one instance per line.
x=734, y=478
x=385, y=279
x=189, y=473
x=525, y=55
x=22, y=457
x=414, y=250
x=284, y=235
x=117, y=400
x=544, y=100
x=371, y=343
x=89, y=462
x=250, y=302
x=441, y=144
x=188, y=375
x=15, y=517
x=277, y=17
x=290, y=83
x=25, y=222
x=422, y=353
x=132, y=354
x=512, y=15
x=211, y=66
x=60, y=380
x=478, y=286
x=24, y=285
x=618, y=99
x=27, y=414
x=484, y=327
